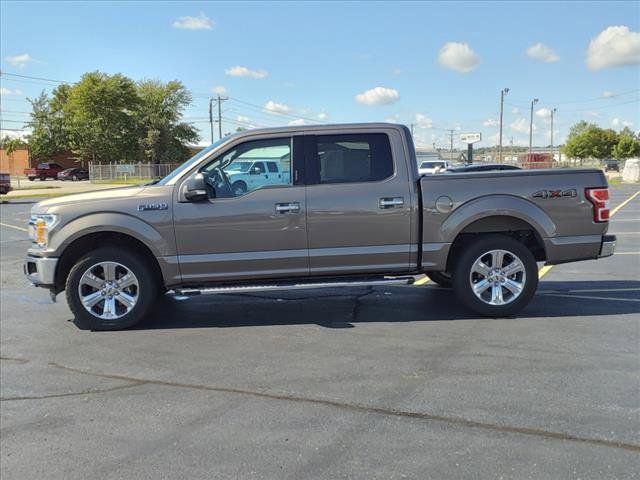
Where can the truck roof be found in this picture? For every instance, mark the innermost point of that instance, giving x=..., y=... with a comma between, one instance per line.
x=320, y=128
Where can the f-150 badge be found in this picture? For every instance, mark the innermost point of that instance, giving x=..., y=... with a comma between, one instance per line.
x=544, y=194
x=153, y=206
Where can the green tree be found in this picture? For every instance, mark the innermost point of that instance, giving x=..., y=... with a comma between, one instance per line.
x=48, y=132
x=162, y=137
x=587, y=140
x=99, y=115
x=628, y=146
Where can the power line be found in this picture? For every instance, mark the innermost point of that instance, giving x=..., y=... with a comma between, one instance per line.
x=6, y=74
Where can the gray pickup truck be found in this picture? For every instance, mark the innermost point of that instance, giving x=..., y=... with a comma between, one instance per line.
x=351, y=209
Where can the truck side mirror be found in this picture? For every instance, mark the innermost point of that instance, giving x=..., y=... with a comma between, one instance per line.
x=196, y=190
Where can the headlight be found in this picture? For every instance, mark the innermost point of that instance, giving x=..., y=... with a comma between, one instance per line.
x=40, y=226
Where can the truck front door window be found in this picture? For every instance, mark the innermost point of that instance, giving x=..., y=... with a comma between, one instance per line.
x=243, y=170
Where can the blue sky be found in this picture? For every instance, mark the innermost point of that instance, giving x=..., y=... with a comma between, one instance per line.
x=436, y=65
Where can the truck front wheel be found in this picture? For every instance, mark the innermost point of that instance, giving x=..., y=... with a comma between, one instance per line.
x=495, y=276
x=239, y=188
x=110, y=289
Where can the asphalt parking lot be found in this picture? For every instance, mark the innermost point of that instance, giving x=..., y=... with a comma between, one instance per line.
x=360, y=383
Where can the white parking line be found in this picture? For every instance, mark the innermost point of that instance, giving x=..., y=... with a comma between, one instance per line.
x=14, y=227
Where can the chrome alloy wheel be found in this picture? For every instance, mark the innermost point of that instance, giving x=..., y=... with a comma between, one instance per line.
x=497, y=277
x=108, y=290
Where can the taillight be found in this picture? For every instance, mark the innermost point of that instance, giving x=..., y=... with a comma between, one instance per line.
x=599, y=197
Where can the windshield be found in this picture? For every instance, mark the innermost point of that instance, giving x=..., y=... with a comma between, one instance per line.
x=431, y=164
x=191, y=162
x=239, y=167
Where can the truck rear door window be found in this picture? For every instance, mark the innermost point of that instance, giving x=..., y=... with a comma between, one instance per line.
x=353, y=158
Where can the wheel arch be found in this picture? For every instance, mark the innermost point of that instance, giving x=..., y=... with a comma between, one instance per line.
x=91, y=241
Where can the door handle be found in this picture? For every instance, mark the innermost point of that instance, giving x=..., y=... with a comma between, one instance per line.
x=293, y=207
x=391, y=202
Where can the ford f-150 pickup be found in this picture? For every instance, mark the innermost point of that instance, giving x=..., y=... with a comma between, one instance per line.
x=351, y=209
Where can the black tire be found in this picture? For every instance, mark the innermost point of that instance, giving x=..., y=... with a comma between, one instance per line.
x=42, y=178
x=31, y=179
x=147, y=293
x=239, y=188
x=74, y=178
x=443, y=279
x=463, y=270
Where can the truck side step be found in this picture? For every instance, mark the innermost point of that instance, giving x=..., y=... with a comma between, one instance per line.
x=408, y=280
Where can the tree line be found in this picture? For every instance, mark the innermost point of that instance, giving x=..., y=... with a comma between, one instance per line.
x=587, y=140
x=110, y=118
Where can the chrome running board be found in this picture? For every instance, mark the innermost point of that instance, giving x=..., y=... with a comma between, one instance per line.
x=379, y=281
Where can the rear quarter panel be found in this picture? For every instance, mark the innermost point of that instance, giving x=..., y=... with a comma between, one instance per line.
x=565, y=224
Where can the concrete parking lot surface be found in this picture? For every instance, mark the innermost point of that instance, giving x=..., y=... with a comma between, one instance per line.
x=358, y=383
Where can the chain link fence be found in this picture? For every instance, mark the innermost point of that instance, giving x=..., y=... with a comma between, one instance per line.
x=129, y=172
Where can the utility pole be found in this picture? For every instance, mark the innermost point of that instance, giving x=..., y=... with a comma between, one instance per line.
x=219, y=101
x=211, y=117
x=451, y=138
x=412, y=130
x=533, y=102
x=503, y=92
x=553, y=110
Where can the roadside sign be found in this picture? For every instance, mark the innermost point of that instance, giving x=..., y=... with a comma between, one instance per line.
x=470, y=137
x=125, y=168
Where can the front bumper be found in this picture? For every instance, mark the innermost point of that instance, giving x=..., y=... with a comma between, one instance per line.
x=41, y=272
x=608, y=246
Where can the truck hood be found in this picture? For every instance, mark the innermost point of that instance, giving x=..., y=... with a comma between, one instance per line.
x=83, y=198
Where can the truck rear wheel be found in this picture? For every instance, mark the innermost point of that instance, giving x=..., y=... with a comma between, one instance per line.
x=441, y=278
x=495, y=276
x=110, y=289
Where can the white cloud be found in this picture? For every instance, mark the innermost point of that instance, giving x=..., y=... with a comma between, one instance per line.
x=243, y=119
x=490, y=122
x=515, y=110
x=396, y=71
x=220, y=90
x=459, y=57
x=273, y=107
x=543, y=113
x=323, y=116
x=542, y=52
x=7, y=91
x=239, y=71
x=422, y=121
x=395, y=118
x=614, y=46
x=617, y=123
x=298, y=121
x=608, y=94
x=201, y=22
x=378, y=96
x=593, y=114
x=521, y=125
x=19, y=60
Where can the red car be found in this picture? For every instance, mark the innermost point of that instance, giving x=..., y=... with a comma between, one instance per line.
x=43, y=171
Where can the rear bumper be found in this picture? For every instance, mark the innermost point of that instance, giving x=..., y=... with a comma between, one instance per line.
x=41, y=272
x=608, y=246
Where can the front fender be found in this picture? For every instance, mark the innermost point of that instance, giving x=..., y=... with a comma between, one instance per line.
x=158, y=238
x=497, y=205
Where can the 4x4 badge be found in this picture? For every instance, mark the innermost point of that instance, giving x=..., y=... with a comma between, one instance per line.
x=544, y=194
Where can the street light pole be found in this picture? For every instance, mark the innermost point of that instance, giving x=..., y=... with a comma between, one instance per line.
x=503, y=92
x=533, y=102
x=553, y=110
